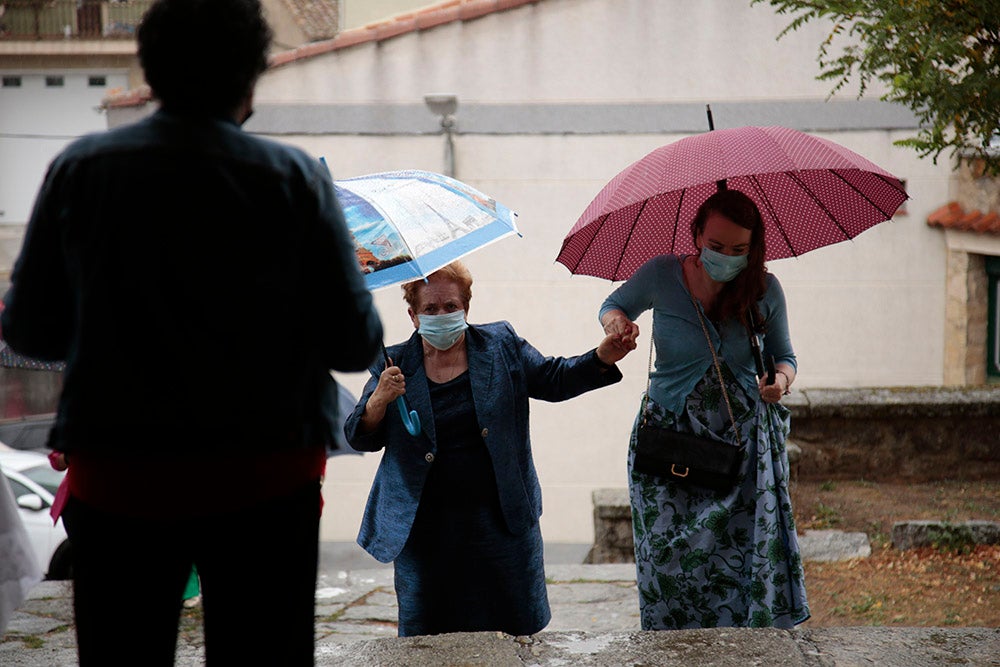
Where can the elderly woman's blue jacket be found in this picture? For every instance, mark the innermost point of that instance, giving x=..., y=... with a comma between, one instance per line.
x=505, y=371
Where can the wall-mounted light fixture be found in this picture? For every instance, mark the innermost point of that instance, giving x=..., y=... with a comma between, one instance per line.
x=445, y=106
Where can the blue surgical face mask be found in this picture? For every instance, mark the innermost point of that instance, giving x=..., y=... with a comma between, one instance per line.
x=722, y=268
x=443, y=331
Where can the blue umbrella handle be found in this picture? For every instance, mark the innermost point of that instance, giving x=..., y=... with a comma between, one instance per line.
x=411, y=420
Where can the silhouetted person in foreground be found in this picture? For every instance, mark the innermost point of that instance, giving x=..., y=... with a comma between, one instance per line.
x=200, y=284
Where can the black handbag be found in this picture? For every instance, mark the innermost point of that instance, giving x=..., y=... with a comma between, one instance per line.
x=686, y=458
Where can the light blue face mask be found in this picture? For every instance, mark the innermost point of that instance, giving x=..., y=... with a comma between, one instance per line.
x=442, y=331
x=722, y=268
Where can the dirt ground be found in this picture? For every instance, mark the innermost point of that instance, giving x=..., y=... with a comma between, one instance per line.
x=952, y=585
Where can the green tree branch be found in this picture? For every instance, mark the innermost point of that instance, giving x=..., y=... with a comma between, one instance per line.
x=939, y=58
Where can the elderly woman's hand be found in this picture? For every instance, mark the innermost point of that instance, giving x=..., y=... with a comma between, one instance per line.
x=613, y=348
x=391, y=384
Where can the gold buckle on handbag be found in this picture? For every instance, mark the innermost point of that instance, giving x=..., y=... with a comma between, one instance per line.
x=673, y=471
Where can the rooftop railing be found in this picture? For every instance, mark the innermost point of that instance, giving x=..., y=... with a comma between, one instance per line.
x=70, y=19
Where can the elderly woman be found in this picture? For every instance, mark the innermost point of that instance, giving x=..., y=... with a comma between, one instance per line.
x=457, y=506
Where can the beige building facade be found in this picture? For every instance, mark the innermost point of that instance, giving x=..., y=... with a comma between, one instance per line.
x=554, y=98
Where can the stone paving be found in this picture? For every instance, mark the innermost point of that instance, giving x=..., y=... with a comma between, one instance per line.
x=351, y=607
x=595, y=621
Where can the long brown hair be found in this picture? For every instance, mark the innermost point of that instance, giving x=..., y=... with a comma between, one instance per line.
x=742, y=293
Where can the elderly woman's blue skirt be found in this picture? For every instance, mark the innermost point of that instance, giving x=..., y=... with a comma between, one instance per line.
x=462, y=571
x=730, y=559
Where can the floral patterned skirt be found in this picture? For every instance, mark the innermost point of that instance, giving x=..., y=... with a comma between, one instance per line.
x=731, y=559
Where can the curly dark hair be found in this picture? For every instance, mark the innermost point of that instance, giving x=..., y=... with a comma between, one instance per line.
x=203, y=56
x=743, y=292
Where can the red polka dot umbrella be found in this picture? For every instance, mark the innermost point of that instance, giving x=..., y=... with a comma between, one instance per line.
x=810, y=191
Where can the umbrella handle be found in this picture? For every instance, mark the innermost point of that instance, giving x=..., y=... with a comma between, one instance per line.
x=771, y=372
x=411, y=420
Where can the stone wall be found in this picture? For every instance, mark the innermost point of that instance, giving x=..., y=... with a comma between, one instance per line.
x=613, y=541
x=965, y=319
x=966, y=284
x=899, y=434
x=974, y=189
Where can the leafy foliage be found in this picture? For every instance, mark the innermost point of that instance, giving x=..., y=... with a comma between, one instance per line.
x=939, y=58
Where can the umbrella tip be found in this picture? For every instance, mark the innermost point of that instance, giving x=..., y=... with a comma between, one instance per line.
x=721, y=185
x=708, y=112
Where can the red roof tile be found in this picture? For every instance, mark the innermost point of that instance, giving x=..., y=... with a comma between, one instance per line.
x=425, y=18
x=318, y=19
x=988, y=223
x=132, y=98
x=953, y=216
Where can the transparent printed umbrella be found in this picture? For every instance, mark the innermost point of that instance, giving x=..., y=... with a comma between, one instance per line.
x=408, y=224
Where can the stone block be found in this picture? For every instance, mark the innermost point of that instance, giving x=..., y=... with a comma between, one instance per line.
x=613, y=542
x=833, y=545
x=911, y=534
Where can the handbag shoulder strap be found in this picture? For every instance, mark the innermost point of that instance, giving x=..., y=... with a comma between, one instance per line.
x=715, y=362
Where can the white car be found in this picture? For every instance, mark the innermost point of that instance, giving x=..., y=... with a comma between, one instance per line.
x=34, y=484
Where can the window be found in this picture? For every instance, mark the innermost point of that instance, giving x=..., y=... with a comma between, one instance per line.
x=12, y=82
x=97, y=81
x=54, y=82
x=993, y=320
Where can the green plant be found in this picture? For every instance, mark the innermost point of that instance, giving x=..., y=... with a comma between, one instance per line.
x=952, y=618
x=951, y=538
x=871, y=608
x=826, y=516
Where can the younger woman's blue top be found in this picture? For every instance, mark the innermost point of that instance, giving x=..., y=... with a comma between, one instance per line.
x=682, y=353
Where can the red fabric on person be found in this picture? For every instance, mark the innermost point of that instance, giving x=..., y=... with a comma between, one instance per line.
x=179, y=486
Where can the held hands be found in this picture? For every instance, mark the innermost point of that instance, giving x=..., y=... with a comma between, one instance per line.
x=620, y=339
x=625, y=330
x=612, y=349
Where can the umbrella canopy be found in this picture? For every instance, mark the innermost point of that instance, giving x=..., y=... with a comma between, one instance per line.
x=408, y=224
x=811, y=193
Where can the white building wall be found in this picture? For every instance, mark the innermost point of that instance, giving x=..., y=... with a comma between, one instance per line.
x=863, y=313
x=576, y=50
x=36, y=123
